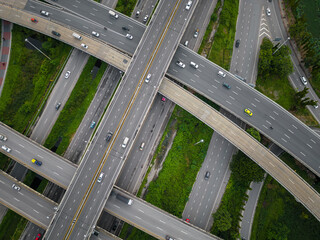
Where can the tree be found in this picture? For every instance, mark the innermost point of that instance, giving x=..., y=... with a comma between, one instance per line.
x=254, y=133
x=278, y=231
x=222, y=219
x=265, y=57
x=300, y=101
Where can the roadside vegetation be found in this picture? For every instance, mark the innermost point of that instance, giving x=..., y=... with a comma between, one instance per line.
x=76, y=107
x=243, y=172
x=222, y=47
x=303, y=18
x=126, y=6
x=272, y=81
x=29, y=76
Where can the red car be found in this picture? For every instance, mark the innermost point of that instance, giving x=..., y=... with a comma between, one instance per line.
x=163, y=99
x=38, y=236
x=188, y=220
x=34, y=20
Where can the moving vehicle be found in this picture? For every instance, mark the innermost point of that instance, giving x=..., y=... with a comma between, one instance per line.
x=186, y=43
x=56, y=33
x=44, y=13
x=84, y=45
x=226, y=85
x=129, y=36
x=34, y=20
x=180, y=64
x=196, y=33
x=5, y=148
x=188, y=6
x=113, y=14
x=237, y=43
x=92, y=124
x=124, y=199
x=100, y=177
x=67, y=74
x=58, y=105
x=137, y=13
x=15, y=187
x=248, y=111
x=163, y=99
x=38, y=236
x=141, y=146
x=207, y=175
x=77, y=36
x=125, y=28
x=221, y=74
x=188, y=220
x=145, y=19
x=148, y=78
x=3, y=137
x=95, y=34
x=268, y=12
x=109, y=136
x=169, y=238
x=39, y=163
x=194, y=65
x=125, y=142
x=303, y=80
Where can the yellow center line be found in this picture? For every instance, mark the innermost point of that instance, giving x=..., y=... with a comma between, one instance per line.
x=122, y=121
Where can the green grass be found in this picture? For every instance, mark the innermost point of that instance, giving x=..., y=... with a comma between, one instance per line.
x=312, y=15
x=12, y=226
x=221, y=51
x=126, y=6
x=76, y=107
x=129, y=232
x=277, y=207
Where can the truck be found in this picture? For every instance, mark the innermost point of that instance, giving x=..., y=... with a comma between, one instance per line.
x=124, y=199
x=113, y=14
x=77, y=36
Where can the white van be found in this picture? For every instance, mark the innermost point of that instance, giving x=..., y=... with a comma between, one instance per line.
x=125, y=142
x=77, y=36
x=113, y=14
x=194, y=65
x=221, y=74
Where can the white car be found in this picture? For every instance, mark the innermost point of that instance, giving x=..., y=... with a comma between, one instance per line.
x=186, y=43
x=194, y=65
x=303, y=80
x=5, y=148
x=15, y=187
x=3, y=137
x=148, y=78
x=129, y=36
x=188, y=6
x=67, y=74
x=44, y=13
x=196, y=33
x=145, y=19
x=84, y=45
x=95, y=34
x=268, y=12
x=180, y=64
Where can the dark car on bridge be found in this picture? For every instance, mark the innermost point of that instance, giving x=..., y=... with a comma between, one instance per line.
x=237, y=43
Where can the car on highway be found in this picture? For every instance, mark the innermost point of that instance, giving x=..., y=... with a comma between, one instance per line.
x=44, y=13
x=148, y=78
x=5, y=148
x=169, y=238
x=196, y=33
x=145, y=19
x=226, y=85
x=38, y=236
x=141, y=146
x=248, y=111
x=109, y=136
x=15, y=187
x=237, y=43
x=137, y=13
x=303, y=80
x=188, y=220
x=36, y=162
x=95, y=34
x=3, y=137
x=84, y=45
x=221, y=74
x=100, y=177
x=194, y=65
x=268, y=12
x=163, y=99
x=34, y=20
x=186, y=43
x=113, y=14
x=92, y=124
x=58, y=105
x=207, y=175
x=188, y=6
x=129, y=36
x=125, y=28
x=67, y=74
x=56, y=33
x=180, y=64
x=315, y=106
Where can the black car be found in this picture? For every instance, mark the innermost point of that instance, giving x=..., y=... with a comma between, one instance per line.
x=56, y=33
x=237, y=43
x=109, y=135
x=125, y=28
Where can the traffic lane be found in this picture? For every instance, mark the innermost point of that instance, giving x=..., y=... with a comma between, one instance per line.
x=59, y=95
x=153, y=219
x=116, y=38
x=263, y=108
x=145, y=7
x=37, y=209
x=100, y=14
x=53, y=167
